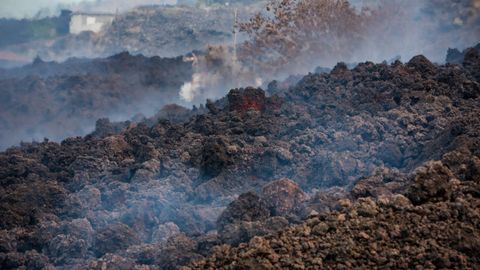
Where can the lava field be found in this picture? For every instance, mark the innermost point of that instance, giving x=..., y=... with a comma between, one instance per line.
x=374, y=167
x=58, y=100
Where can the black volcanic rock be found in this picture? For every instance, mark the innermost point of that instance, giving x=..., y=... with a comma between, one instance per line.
x=380, y=166
x=432, y=182
x=248, y=207
x=114, y=238
x=454, y=56
x=472, y=61
x=422, y=64
x=246, y=99
x=283, y=197
x=215, y=157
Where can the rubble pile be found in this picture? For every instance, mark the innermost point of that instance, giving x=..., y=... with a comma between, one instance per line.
x=391, y=231
x=378, y=165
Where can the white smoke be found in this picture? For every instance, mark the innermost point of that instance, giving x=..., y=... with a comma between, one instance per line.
x=191, y=89
x=216, y=73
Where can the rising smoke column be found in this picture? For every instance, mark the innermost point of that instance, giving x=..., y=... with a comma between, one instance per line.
x=216, y=71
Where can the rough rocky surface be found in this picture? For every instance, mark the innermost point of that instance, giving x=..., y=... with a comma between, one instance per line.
x=388, y=232
x=375, y=166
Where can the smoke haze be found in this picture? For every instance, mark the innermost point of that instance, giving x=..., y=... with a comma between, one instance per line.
x=30, y=8
x=377, y=31
x=427, y=27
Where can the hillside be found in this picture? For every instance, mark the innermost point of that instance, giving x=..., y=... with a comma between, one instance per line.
x=166, y=31
x=57, y=100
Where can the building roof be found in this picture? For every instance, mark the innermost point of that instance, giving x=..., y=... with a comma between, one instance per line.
x=97, y=14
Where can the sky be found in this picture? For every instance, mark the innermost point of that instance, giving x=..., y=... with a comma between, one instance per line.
x=30, y=8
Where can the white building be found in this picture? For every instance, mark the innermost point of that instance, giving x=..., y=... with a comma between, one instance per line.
x=81, y=22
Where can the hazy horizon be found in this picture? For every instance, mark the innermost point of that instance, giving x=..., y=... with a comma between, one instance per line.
x=18, y=9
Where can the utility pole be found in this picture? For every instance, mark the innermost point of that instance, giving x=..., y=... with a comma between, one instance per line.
x=235, y=36
x=234, y=60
